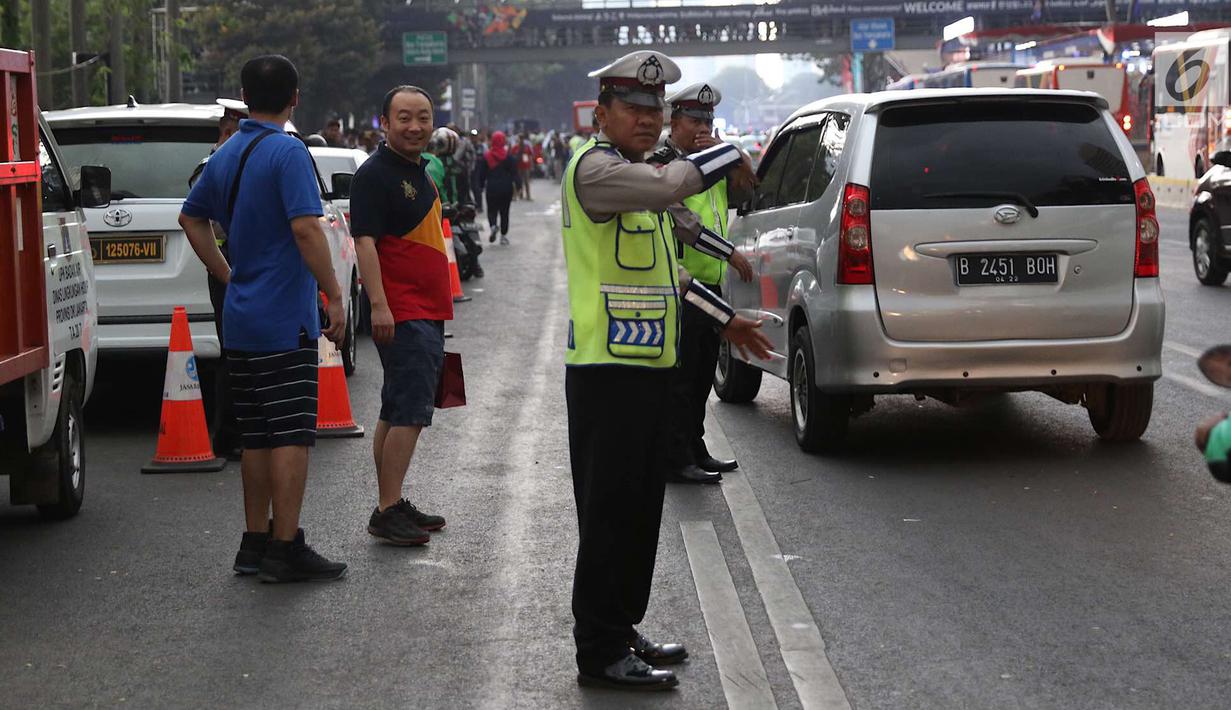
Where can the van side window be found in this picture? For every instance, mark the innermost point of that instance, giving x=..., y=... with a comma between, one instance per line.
x=794, y=186
x=56, y=197
x=771, y=175
x=829, y=154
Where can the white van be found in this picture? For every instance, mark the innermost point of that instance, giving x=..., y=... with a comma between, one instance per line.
x=48, y=316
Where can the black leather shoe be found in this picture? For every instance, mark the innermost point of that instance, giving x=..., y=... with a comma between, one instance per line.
x=693, y=474
x=630, y=673
x=713, y=465
x=658, y=654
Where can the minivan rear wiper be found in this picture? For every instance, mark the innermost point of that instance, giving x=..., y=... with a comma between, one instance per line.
x=1016, y=197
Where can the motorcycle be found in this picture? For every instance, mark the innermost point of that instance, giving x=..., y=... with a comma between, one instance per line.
x=1215, y=364
x=466, y=241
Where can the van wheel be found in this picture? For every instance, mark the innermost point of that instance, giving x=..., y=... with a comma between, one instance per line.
x=1210, y=270
x=735, y=382
x=820, y=419
x=1120, y=412
x=350, y=344
x=65, y=459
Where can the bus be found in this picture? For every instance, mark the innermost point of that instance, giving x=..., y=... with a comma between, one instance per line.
x=987, y=75
x=1191, y=121
x=1084, y=74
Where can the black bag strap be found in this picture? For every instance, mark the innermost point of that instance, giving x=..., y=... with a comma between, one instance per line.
x=243, y=159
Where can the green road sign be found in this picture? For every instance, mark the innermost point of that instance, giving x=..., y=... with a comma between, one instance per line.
x=424, y=49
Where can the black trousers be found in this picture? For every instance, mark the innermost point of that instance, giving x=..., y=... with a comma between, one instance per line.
x=224, y=426
x=498, y=206
x=690, y=388
x=615, y=418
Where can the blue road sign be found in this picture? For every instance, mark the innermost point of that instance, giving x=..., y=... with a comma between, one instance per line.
x=872, y=35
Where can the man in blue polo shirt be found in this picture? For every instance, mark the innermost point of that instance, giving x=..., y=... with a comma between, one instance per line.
x=261, y=186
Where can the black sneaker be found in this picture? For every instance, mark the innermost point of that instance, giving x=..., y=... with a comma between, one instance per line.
x=296, y=562
x=395, y=527
x=422, y=520
x=251, y=551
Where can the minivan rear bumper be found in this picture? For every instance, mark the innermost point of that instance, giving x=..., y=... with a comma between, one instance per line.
x=855, y=354
x=141, y=333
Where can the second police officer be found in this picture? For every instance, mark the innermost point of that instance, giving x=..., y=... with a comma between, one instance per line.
x=685, y=456
x=625, y=294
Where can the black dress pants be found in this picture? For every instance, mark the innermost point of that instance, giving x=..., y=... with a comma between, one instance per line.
x=690, y=388
x=615, y=416
x=225, y=428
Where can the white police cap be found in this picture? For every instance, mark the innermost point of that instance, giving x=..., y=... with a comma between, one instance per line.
x=697, y=101
x=639, y=77
x=233, y=108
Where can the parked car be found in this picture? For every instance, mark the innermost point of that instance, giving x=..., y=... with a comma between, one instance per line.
x=906, y=244
x=332, y=161
x=1209, y=219
x=145, y=265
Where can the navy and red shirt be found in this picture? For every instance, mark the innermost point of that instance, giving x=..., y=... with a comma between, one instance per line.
x=395, y=202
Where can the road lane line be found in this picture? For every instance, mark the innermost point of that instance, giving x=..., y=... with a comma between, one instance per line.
x=744, y=680
x=799, y=638
x=1181, y=348
x=1196, y=385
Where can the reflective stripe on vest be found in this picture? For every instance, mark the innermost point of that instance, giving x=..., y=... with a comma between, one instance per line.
x=622, y=283
x=711, y=207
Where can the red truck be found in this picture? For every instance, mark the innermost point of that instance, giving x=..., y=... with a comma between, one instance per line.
x=48, y=310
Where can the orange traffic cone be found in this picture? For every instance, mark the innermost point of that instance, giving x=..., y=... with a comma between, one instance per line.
x=333, y=416
x=183, y=439
x=455, y=278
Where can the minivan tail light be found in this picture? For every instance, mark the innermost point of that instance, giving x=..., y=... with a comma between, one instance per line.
x=855, y=239
x=1147, y=231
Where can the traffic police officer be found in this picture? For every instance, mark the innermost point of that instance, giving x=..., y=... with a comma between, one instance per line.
x=686, y=458
x=624, y=299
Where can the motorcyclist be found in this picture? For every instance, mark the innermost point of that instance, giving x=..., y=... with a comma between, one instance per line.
x=1213, y=435
x=454, y=185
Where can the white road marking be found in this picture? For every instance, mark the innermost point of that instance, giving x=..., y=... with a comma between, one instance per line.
x=744, y=681
x=799, y=638
x=1181, y=348
x=1196, y=385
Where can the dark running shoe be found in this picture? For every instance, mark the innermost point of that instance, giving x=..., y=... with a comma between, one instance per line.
x=251, y=551
x=420, y=519
x=491, y=237
x=296, y=562
x=395, y=527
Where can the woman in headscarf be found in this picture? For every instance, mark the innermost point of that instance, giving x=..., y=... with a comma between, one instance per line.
x=498, y=177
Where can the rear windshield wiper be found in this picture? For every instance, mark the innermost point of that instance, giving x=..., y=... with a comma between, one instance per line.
x=1016, y=197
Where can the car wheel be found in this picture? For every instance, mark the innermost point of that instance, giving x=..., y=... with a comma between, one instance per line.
x=1210, y=270
x=735, y=382
x=1120, y=412
x=820, y=419
x=350, y=344
x=64, y=456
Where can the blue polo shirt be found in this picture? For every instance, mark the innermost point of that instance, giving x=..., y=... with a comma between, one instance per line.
x=272, y=295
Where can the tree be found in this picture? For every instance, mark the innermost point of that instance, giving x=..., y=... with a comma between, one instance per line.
x=335, y=45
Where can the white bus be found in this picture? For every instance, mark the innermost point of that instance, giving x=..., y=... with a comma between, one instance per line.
x=1084, y=74
x=976, y=75
x=1196, y=125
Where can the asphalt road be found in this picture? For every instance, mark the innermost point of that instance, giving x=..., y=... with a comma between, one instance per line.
x=991, y=556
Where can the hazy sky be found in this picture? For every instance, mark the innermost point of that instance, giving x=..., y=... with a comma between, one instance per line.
x=773, y=68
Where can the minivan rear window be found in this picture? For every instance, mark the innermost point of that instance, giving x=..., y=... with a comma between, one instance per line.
x=145, y=161
x=937, y=156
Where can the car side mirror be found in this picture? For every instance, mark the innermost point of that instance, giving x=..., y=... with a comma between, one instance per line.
x=1223, y=158
x=95, y=186
x=341, y=185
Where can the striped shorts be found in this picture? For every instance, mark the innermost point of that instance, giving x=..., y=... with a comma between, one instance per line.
x=275, y=396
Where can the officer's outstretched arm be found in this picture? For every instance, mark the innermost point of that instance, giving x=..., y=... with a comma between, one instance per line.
x=744, y=333
x=608, y=184
x=688, y=229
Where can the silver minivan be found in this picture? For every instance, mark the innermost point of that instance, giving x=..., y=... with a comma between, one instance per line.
x=950, y=244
